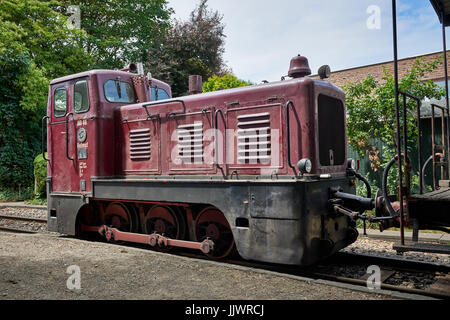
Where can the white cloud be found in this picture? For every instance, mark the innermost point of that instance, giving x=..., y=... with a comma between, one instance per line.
x=263, y=35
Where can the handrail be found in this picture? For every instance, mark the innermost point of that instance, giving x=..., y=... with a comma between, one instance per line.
x=164, y=102
x=434, y=146
x=409, y=95
x=67, y=135
x=44, y=138
x=216, y=151
x=288, y=138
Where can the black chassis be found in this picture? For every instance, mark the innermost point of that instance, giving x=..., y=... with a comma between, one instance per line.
x=289, y=219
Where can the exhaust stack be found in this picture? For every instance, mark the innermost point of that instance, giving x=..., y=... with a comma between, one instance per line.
x=195, y=84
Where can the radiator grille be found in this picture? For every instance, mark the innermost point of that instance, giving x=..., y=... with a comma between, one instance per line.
x=254, y=138
x=190, y=142
x=140, y=144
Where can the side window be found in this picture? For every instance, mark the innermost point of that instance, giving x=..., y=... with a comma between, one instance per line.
x=118, y=91
x=60, y=102
x=81, y=96
x=159, y=94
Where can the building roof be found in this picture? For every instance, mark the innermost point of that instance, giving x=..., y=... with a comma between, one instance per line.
x=354, y=74
x=342, y=77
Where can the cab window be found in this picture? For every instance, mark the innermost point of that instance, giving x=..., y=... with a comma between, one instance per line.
x=159, y=94
x=118, y=91
x=60, y=102
x=81, y=96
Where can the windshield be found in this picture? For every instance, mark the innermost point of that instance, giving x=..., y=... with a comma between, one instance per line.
x=118, y=91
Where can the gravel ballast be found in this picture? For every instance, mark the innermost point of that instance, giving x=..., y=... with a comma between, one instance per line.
x=384, y=248
x=35, y=267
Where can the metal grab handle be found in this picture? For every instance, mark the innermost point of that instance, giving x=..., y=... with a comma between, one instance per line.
x=422, y=174
x=44, y=137
x=165, y=102
x=216, y=151
x=67, y=135
x=288, y=138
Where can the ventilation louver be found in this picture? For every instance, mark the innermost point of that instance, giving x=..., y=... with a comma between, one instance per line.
x=254, y=138
x=140, y=144
x=190, y=142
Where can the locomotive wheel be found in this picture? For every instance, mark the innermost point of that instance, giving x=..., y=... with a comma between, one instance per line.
x=119, y=216
x=88, y=216
x=212, y=224
x=164, y=221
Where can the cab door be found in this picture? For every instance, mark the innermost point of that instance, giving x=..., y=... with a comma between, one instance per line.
x=70, y=105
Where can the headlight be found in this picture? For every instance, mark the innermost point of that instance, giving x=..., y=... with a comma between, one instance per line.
x=304, y=165
x=351, y=164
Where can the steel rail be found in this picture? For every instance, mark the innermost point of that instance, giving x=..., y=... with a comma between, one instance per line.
x=19, y=218
x=307, y=272
x=391, y=261
x=15, y=230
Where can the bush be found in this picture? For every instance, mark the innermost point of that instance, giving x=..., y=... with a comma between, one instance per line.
x=228, y=81
x=40, y=176
x=19, y=127
x=20, y=194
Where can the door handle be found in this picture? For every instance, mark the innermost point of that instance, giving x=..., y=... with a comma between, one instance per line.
x=44, y=137
x=67, y=135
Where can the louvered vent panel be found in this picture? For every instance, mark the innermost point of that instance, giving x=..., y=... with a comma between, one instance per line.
x=190, y=142
x=254, y=138
x=140, y=144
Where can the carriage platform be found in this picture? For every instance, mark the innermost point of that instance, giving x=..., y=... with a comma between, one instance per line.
x=431, y=210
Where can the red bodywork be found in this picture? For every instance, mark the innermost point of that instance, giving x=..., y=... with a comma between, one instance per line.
x=118, y=135
x=98, y=121
x=219, y=167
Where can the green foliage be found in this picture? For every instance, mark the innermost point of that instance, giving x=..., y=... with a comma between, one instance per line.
x=119, y=32
x=18, y=130
x=192, y=47
x=38, y=201
x=34, y=26
x=35, y=46
x=40, y=176
x=371, y=105
x=371, y=114
x=19, y=194
x=227, y=81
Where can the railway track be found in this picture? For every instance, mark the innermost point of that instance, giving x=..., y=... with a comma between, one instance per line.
x=397, y=274
x=391, y=269
x=7, y=220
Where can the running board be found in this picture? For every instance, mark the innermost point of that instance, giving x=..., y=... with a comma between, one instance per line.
x=154, y=239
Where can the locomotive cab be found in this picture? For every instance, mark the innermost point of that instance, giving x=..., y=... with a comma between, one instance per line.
x=80, y=121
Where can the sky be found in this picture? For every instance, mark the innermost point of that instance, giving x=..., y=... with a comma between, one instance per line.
x=263, y=35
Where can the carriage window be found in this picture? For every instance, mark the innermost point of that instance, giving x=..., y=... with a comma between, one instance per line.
x=118, y=91
x=60, y=102
x=159, y=94
x=81, y=97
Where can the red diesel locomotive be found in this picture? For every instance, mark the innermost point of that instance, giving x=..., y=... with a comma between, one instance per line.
x=262, y=169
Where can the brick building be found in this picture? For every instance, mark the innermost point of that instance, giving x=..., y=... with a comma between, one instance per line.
x=341, y=77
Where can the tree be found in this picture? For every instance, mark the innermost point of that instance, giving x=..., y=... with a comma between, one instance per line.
x=227, y=81
x=36, y=45
x=120, y=31
x=371, y=112
x=19, y=138
x=192, y=47
x=34, y=26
